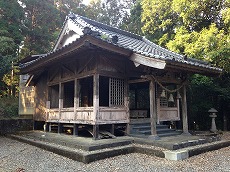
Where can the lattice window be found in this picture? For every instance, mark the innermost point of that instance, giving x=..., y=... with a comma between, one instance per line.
x=117, y=91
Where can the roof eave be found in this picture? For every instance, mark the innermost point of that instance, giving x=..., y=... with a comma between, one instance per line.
x=207, y=70
x=84, y=41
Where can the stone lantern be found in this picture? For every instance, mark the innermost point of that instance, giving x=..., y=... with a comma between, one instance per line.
x=213, y=115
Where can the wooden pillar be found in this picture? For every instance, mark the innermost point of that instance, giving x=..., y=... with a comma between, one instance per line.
x=96, y=105
x=50, y=127
x=127, y=106
x=48, y=105
x=60, y=127
x=95, y=132
x=112, y=129
x=46, y=127
x=184, y=112
x=75, y=129
x=76, y=97
x=60, y=95
x=76, y=105
x=153, y=110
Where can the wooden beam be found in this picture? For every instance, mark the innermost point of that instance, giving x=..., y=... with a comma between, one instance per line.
x=96, y=105
x=96, y=96
x=75, y=129
x=96, y=132
x=184, y=112
x=147, y=61
x=112, y=129
x=76, y=97
x=60, y=95
x=137, y=80
x=50, y=127
x=178, y=66
x=85, y=65
x=111, y=74
x=153, y=110
x=60, y=127
x=107, y=46
x=65, y=67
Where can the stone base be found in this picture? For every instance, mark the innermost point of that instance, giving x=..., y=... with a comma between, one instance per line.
x=154, y=137
x=176, y=155
x=186, y=134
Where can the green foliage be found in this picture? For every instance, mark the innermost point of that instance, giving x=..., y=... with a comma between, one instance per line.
x=11, y=16
x=42, y=20
x=8, y=107
x=210, y=44
x=198, y=14
x=159, y=19
x=112, y=12
x=134, y=24
x=198, y=29
x=204, y=93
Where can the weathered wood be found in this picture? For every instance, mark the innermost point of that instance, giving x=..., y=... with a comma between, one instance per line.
x=168, y=114
x=153, y=112
x=85, y=65
x=95, y=132
x=137, y=80
x=46, y=127
x=102, y=72
x=96, y=96
x=60, y=127
x=115, y=65
x=112, y=129
x=138, y=113
x=50, y=127
x=47, y=109
x=147, y=61
x=72, y=78
x=75, y=129
x=68, y=69
x=60, y=95
x=184, y=111
x=178, y=66
x=76, y=96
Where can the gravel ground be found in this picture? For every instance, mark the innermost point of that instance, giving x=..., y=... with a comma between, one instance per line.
x=19, y=157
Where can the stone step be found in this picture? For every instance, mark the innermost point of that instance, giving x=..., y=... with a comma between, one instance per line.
x=170, y=134
x=148, y=132
x=140, y=127
x=175, y=133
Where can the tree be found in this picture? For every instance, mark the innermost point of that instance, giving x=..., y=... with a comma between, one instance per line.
x=159, y=20
x=11, y=16
x=134, y=24
x=40, y=26
x=198, y=29
x=111, y=12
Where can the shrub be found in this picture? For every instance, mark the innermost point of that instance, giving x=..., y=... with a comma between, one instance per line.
x=8, y=107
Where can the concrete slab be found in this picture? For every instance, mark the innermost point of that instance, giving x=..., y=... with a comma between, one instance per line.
x=176, y=155
x=87, y=150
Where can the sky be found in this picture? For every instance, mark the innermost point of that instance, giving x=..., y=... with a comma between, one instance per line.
x=86, y=2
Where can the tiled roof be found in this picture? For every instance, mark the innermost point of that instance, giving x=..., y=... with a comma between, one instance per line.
x=136, y=43
x=130, y=41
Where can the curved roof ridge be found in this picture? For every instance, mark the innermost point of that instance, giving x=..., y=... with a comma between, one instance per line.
x=105, y=26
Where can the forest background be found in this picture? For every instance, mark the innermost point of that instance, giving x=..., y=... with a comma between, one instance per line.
x=195, y=28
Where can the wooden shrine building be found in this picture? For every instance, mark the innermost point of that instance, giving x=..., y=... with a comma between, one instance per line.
x=97, y=75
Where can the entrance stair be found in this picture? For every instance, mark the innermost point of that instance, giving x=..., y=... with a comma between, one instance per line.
x=143, y=129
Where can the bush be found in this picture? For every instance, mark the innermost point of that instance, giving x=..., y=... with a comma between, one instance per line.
x=8, y=107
